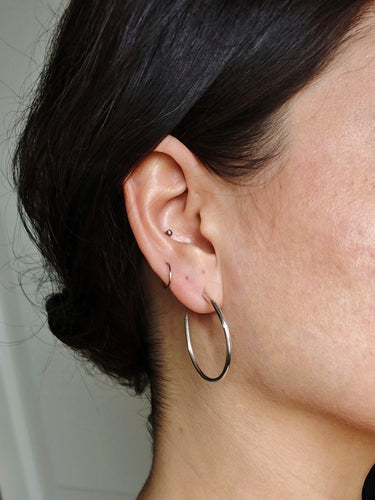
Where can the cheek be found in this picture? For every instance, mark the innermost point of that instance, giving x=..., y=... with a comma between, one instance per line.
x=338, y=216
x=309, y=285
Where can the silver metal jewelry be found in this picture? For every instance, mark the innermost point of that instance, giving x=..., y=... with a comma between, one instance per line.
x=169, y=232
x=170, y=276
x=227, y=340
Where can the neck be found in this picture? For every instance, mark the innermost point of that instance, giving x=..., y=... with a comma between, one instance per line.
x=230, y=441
x=219, y=443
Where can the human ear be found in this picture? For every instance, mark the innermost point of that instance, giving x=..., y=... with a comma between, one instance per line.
x=171, y=189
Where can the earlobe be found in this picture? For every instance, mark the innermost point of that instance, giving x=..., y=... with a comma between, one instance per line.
x=165, y=203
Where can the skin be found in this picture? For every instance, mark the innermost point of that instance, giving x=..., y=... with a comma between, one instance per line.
x=291, y=263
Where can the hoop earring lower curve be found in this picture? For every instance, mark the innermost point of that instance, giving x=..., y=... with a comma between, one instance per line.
x=227, y=340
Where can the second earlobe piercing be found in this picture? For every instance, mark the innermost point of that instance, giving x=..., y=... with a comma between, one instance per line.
x=170, y=276
x=168, y=232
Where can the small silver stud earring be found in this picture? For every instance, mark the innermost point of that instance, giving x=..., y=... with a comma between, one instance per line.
x=168, y=232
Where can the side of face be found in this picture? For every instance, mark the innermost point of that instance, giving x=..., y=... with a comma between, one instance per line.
x=300, y=293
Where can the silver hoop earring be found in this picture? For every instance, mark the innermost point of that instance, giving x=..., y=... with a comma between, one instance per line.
x=170, y=276
x=227, y=340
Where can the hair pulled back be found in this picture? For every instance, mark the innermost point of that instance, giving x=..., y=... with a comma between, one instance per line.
x=119, y=76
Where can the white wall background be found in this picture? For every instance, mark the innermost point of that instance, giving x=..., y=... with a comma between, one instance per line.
x=64, y=434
